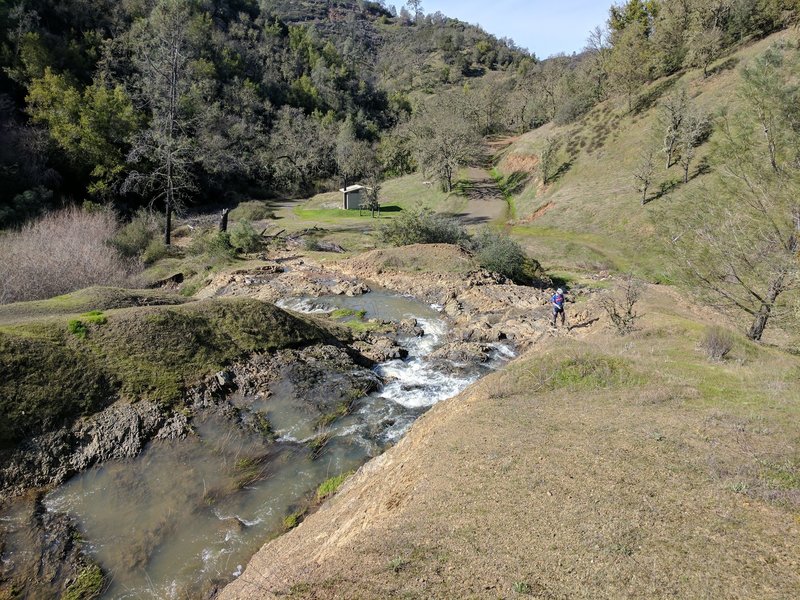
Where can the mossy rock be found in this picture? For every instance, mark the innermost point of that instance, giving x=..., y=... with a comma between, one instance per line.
x=51, y=376
x=87, y=585
x=86, y=300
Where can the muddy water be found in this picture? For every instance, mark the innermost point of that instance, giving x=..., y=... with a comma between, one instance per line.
x=185, y=515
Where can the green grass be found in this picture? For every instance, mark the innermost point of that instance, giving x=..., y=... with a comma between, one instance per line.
x=54, y=374
x=85, y=302
x=343, y=313
x=87, y=585
x=294, y=519
x=331, y=485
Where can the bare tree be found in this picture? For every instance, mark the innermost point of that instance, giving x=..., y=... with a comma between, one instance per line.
x=673, y=111
x=443, y=140
x=165, y=150
x=644, y=173
x=619, y=306
x=741, y=242
x=415, y=6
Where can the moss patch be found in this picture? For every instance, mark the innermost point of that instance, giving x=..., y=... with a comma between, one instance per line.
x=331, y=485
x=87, y=585
x=153, y=353
x=87, y=301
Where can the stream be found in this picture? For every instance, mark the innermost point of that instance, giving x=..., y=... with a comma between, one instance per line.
x=187, y=515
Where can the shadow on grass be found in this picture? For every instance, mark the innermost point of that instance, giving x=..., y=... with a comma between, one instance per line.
x=583, y=325
x=647, y=100
x=486, y=189
x=560, y=172
x=466, y=218
x=516, y=182
x=725, y=65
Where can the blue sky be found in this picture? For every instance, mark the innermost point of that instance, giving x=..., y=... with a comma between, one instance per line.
x=544, y=27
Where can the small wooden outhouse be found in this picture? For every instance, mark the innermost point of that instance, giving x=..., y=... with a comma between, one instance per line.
x=353, y=196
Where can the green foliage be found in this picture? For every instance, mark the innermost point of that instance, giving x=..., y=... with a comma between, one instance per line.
x=499, y=253
x=155, y=251
x=77, y=328
x=133, y=239
x=294, y=519
x=331, y=485
x=25, y=206
x=423, y=227
x=216, y=244
x=244, y=238
x=252, y=210
x=92, y=126
x=87, y=585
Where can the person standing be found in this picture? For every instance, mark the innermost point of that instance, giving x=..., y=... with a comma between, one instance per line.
x=558, y=301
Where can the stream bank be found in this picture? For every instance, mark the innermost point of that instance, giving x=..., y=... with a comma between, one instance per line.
x=250, y=442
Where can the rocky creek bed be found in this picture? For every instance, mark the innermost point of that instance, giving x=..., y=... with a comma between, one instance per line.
x=174, y=502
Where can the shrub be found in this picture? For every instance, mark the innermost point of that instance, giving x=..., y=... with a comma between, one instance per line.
x=155, y=251
x=717, y=342
x=331, y=485
x=619, y=307
x=216, y=244
x=60, y=252
x=499, y=253
x=133, y=239
x=293, y=520
x=244, y=237
x=253, y=210
x=423, y=227
x=88, y=584
x=25, y=206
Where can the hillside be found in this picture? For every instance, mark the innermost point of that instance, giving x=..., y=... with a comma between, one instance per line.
x=264, y=89
x=590, y=215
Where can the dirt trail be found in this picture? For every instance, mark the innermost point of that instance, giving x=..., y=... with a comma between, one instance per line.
x=485, y=202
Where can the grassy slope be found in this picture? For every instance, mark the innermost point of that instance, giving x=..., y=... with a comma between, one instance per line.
x=590, y=218
x=56, y=371
x=593, y=467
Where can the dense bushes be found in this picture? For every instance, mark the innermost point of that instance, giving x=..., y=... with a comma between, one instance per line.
x=499, y=253
x=423, y=227
x=494, y=251
x=252, y=210
x=133, y=239
x=60, y=252
x=244, y=238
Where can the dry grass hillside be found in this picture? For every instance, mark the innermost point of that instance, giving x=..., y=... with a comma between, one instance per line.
x=596, y=466
x=589, y=216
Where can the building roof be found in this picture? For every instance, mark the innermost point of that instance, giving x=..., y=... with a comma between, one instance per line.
x=352, y=188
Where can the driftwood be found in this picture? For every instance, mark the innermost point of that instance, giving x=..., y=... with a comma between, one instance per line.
x=304, y=232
